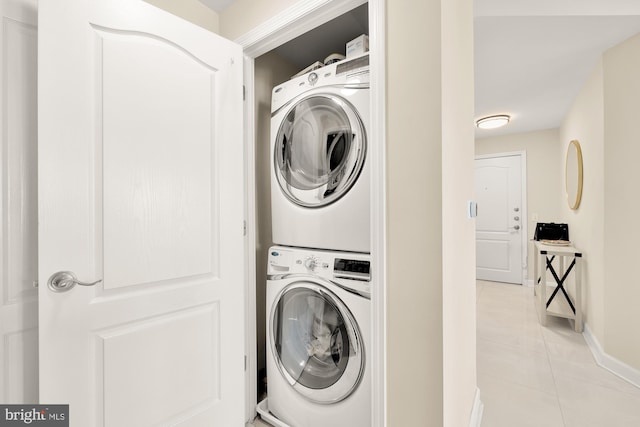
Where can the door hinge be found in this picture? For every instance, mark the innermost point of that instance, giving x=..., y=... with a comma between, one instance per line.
x=244, y=228
x=244, y=93
x=245, y=363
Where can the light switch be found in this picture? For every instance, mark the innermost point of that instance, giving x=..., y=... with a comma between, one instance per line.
x=472, y=209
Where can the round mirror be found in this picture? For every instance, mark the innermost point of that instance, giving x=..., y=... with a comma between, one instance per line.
x=573, y=177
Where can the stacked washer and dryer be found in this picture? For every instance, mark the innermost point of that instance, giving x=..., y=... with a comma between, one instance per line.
x=319, y=275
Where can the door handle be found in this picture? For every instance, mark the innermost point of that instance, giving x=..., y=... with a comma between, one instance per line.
x=64, y=281
x=516, y=227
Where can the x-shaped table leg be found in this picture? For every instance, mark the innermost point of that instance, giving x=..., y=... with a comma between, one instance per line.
x=560, y=283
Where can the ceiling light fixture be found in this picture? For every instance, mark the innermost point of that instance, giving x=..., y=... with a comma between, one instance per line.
x=492, y=122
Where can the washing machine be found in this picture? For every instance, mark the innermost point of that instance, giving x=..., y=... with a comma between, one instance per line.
x=318, y=334
x=320, y=179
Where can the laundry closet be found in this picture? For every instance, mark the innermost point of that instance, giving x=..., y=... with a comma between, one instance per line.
x=326, y=43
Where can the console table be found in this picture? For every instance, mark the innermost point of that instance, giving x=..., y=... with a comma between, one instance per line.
x=559, y=303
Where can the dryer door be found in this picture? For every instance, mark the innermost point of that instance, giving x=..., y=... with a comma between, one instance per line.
x=320, y=150
x=316, y=343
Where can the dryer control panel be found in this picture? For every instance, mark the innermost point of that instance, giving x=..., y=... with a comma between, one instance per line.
x=351, y=73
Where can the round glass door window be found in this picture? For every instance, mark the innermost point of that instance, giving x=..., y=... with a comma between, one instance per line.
x=316, y=343
x=320, y=150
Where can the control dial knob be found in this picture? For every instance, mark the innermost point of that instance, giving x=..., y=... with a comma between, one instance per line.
x=310, y=263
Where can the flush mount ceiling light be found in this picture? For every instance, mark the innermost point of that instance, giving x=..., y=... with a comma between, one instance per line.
x=492, y=122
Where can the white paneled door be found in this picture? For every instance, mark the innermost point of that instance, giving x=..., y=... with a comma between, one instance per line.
x=498, y=189
x=18, y=216
x=140, y=187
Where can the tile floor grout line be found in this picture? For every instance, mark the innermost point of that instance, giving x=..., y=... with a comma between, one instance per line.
x=553, y=375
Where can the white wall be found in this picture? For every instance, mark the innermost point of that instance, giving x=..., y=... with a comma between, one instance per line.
x=604, y=120
x=414, y=214
x=242, y=16
x=544, y=174
x=621, y=201
x=584, y=122
x=458, y=244
x=270, y=71
x=430, y=243
x=191, y=10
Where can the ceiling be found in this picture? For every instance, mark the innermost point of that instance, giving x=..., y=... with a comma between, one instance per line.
x=217, y=5
x=531, y=57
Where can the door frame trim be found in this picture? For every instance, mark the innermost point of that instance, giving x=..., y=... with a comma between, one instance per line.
x=301, y=17
x=525, y=210
x=251, y=332
x=296, y=20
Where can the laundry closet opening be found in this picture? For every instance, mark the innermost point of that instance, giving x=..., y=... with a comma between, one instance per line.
x=325, y=43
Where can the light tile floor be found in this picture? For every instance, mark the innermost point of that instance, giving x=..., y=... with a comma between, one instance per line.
x=258, y=423
x=535, y=376
x=531, y=375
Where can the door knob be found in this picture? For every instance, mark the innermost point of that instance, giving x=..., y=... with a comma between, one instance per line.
x=64, y=281
x=516, y=227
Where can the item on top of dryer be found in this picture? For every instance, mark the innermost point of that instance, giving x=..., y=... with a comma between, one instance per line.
x=334, y=57
x=318, y=334
x=311, y=67
x=358, y=46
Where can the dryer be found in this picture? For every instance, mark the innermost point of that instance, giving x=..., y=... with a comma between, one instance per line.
x=320, y=180
x=318, y=335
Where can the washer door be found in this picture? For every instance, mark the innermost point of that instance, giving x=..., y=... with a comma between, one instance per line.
x=316, y=343
x=319, y=150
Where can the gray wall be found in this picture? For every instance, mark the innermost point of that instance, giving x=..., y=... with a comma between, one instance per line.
x=270, y=70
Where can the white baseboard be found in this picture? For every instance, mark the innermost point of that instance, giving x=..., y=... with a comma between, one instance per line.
x=608, y=362
x=476, y=412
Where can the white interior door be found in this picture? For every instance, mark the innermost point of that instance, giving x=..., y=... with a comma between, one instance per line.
x=140, y=186
x=498, y=182
x=18, y=184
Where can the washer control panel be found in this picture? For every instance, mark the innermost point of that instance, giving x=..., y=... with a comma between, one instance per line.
x=352, y=269
x=327, y=264
x=311, y=263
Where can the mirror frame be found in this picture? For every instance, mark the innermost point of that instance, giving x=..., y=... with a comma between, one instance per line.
x=574, y=199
